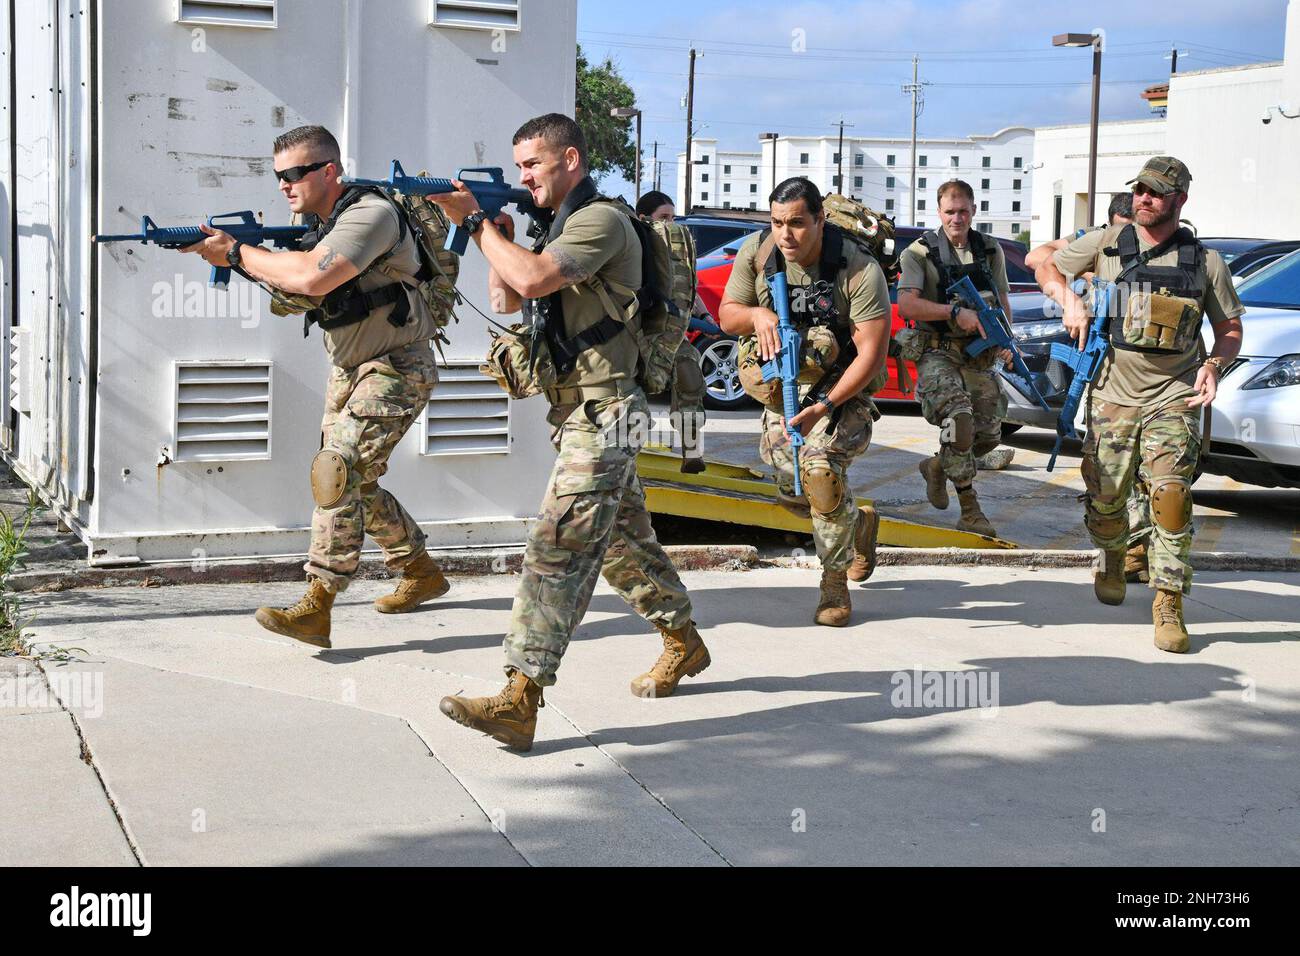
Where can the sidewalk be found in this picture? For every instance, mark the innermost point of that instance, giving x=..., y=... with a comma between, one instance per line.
x=219, y=743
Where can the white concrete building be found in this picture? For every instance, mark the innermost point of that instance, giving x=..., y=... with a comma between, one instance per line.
x=877, y=171
x=159, y=421
x=1244, y=180
x=1061, y=169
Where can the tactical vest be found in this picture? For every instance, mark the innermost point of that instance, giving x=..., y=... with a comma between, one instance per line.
x=348, y=304
x=1162, y=305
x=820, y=309
x=940, y=254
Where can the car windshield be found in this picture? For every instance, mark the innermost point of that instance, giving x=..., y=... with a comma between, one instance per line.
x=1276, y=287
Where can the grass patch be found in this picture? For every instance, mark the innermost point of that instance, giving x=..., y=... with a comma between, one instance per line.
x=13, y=549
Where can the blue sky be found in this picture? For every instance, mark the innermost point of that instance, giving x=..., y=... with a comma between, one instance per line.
x=991, y=63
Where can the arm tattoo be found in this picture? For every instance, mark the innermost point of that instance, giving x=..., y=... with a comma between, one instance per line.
x=326, y=259
x=569, y=267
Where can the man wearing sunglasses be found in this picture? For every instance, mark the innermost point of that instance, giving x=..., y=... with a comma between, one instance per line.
x=356, y=276
x=1145, y=406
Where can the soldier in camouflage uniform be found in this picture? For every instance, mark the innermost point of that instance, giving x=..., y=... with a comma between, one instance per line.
x=959, y=393
x=1146, y=402
x=593, y=518
x=356, y=276
x=838, y=295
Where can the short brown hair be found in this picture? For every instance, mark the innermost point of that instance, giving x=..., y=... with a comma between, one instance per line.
x=957, y=185
x=559, y=131
x=318, y=139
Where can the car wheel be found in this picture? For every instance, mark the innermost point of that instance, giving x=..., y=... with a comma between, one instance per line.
x=720, y=363
x=1010, y=428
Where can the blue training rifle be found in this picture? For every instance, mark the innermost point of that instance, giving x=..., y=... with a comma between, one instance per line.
x=493, y=194
x=997, y=334
x=1084, y=364
x=785, y=366
x=246, y=229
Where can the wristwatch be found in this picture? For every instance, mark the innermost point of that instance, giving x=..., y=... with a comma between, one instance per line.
x=233, y=255
x=826, y=400
x=474, y=221
x=952, y=313
x=1218, y=365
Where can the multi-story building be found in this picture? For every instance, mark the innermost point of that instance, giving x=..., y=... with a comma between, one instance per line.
x=877, y=171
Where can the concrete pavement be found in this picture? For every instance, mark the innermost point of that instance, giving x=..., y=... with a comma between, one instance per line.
x=217, y=742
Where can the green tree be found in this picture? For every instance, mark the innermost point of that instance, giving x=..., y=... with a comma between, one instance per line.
x=1023, y=237
x=611, y=144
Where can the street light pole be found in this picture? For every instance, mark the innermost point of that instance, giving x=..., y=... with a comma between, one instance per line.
x=1093, y=40
x=772, y=137
x=622, y=112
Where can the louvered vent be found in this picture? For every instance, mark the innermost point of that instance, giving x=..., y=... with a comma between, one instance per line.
x=227, y=13
x=467, y=414
x=475, y=14
x=223, y=411
x=20, y=363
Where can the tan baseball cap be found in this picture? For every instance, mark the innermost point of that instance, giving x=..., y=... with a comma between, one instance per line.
x=1163, y=174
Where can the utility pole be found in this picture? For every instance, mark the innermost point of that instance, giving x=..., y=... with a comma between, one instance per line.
x=690, y=130
x=918, y=102
x=1173, y=61
x=840, y=173
x=654, y=164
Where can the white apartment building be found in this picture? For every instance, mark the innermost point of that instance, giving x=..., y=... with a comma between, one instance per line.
x=877, y=171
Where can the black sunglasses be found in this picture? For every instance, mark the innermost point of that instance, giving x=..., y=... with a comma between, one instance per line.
x=295, y=173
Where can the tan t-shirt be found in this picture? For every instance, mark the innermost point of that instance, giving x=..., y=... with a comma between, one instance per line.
x=602, y=243
x=1145, y=378
x=365, y=232
x=919, y=273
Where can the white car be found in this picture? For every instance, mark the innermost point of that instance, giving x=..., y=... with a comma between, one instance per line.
x=1255, y=428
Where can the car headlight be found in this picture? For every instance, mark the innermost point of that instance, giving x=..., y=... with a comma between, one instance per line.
x=1278, y=373
x=1036, y=330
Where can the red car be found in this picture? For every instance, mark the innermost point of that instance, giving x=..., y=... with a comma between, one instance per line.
x=715, y=270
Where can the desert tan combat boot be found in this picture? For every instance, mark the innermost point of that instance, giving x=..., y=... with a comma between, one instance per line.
x=1167, y=615
x=936, y=482
x=307, y=621
x=1108, y=579
x=834, y=608
x=864, y=544
x=972, y=518
x=1135, y=563
x=684, y=656
x=510, y=716
x=421, y=581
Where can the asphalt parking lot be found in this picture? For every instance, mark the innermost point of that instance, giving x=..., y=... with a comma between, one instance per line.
x=1027, y=504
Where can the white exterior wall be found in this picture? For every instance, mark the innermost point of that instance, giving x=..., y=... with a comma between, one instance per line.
x=185, y=132
x=1061, y=155
x=814, y=157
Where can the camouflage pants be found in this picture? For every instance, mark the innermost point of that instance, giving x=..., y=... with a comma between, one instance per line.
x=593, y=520
x=833, y=531
x=950, y=383
x=688, y=397
x=1127, y=444
x=367, y=411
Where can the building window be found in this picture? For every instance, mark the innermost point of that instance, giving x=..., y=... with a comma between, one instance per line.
x=753, y=205
x=704, y=160
x=704, y=197
x=835, y=158
x=1015, y=228
x=704, y=177
x=954, y=161
x=726, y=170
x=1015, y=206
x=1015, y=184
x=889, y=182
x=984, y=227
x=726, y=187
x=859, y=159
x=921, y=161
x=920, y=204
x=984, y=205
x=920, y=183
x=984, y=184
x=889, y=205
x=889, y=160
x=986, y=162
x=1018, y=163
x=857, y=182
x=753, y=187
x=803, y=159
x=920, y=223
x=726, y=204
x=753, y=170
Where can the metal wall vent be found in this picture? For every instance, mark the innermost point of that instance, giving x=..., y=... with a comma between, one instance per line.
x=475, y=14
x=223, y=411
x=227, y=13
x=467, y=414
